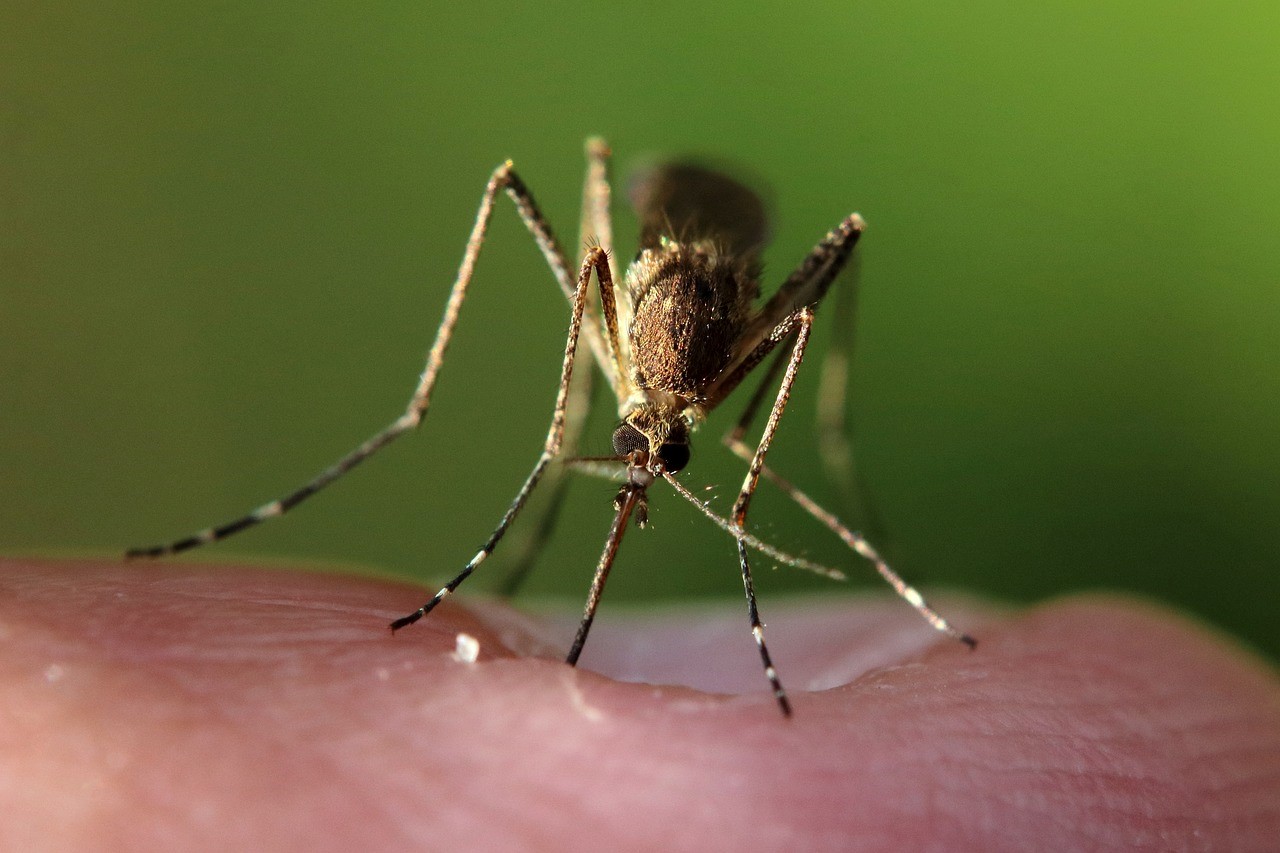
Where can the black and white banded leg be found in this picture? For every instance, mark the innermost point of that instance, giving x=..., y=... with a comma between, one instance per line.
x=802, y=323
x=806, y=286
x=596, y=260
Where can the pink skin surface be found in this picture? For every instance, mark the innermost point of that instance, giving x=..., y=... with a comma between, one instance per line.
x=149, y=707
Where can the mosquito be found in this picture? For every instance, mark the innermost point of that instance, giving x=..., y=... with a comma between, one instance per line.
x=679, y=335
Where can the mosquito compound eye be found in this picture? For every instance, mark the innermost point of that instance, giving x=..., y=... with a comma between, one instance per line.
x=627, y=438
x=674, y=456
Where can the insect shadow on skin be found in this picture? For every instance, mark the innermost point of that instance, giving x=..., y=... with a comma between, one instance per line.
x=673, y=341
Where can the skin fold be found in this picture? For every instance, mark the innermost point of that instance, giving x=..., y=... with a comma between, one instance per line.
x=150, y=707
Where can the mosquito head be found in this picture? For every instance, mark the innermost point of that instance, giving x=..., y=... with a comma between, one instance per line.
x=649, y=439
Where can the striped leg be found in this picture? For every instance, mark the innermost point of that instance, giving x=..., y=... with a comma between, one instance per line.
x=503, y=178
x=802, y=322
x=596, y=259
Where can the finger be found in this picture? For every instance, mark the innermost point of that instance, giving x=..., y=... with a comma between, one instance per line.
x=145, y=704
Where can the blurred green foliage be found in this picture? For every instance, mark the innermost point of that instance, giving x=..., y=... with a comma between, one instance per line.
x=227, y=231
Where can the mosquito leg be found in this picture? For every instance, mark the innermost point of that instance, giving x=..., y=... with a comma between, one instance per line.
x=858, y=543
x=503, y=178
x=625, y=503
x=595, y=260
x=596, y=224
x=757, y=399
x=851, y=538
x=595, y=228
x=804, y=288
x=836, y=450
x=804, y=318
x=809, y=282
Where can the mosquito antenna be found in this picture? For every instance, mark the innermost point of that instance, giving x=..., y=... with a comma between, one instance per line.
x=750, y=541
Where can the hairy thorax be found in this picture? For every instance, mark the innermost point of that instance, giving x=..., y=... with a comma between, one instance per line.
x=690, y=306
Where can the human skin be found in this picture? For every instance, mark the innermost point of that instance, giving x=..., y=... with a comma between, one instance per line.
x=148, y=707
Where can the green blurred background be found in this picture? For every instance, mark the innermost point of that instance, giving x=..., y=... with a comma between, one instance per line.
x=228, y=231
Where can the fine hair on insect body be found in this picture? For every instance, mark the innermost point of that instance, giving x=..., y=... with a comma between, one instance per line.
x=673, y=337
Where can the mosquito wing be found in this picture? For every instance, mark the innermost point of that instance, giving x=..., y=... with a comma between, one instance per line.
x=688, y=203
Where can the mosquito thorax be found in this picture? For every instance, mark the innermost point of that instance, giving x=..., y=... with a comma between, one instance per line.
x=691, y=303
